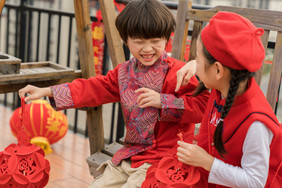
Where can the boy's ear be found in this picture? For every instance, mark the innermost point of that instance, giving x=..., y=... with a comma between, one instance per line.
x=220, y=70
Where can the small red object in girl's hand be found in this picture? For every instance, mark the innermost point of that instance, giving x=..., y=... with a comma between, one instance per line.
x=23, y=164
x=180, y=135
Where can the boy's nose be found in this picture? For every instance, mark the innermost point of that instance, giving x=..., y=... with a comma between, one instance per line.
x=147, y=48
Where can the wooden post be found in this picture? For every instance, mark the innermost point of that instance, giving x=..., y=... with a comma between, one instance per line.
x=179, y=43
x=85, y=46
x=2, y=3
x=113, y=38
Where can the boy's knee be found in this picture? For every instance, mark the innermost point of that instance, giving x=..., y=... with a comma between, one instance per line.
x=111, y=177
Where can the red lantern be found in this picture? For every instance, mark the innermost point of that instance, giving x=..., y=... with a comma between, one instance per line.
x=170, y=173
x=42, y=123
x=23, y=165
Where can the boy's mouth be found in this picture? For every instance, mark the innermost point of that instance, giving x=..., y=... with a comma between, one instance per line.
x=149, y=56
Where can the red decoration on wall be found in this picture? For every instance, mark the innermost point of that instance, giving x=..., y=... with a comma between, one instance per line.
x=98, y=39
x=23, y=165
x=187, y=47
x=119, y=6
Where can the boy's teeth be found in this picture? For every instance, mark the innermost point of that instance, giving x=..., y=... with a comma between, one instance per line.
x=147, y=56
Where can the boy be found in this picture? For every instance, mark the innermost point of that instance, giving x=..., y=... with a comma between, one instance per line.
x=145, y=86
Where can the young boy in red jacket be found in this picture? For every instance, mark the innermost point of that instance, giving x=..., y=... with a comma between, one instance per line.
x=145, y=86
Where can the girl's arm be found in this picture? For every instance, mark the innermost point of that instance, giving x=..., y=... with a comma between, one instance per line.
x=185, y=74
x=176, y=106
x=255, y=161
x=182, y=106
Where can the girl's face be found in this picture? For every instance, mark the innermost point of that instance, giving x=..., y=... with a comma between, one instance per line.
x=147, y=51
x=204, y=70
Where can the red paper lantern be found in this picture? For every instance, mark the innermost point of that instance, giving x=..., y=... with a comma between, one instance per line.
x=43, y=124
x=170, y=173
x=23, y=165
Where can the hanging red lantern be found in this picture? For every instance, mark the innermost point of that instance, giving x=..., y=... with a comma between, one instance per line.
x=23, y=165
x=43, y=124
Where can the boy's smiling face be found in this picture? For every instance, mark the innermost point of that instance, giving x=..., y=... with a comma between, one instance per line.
x=147, y=51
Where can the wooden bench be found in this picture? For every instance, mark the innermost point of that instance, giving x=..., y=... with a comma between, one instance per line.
x=188, y=18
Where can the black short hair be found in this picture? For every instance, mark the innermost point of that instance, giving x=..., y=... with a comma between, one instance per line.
x=145, y=19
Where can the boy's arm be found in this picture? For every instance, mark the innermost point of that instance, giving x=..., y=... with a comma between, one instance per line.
x=91, y=92
x=181, y=106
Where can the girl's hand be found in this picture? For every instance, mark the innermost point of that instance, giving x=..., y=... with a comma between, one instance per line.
x=194, y=155
x=35, y=92
x=148, y=98
x=185, y=73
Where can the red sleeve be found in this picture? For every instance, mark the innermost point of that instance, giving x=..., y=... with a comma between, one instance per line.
x=95, y=91
x=194, y=107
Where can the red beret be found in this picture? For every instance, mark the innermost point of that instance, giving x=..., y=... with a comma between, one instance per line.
x=234, y=41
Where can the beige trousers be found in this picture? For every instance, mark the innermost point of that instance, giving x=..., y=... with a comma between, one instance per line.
x=121, y=176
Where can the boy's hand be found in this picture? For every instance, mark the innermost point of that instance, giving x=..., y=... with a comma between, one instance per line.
x=148, y=98
x=194, y=155
x=35, y=92
x=185, y=73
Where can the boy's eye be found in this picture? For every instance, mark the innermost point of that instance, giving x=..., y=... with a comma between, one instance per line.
x=156, y=41
x=138, y=41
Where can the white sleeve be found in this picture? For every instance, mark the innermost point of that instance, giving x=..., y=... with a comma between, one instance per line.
x=255, y=161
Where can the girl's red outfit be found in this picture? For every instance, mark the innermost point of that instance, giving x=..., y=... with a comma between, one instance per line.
x=247, y=108
x=151, y=133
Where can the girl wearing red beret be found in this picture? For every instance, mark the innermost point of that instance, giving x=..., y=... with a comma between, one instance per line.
x=240, y=139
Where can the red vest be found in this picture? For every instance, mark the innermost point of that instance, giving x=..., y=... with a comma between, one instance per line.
x=247, y=108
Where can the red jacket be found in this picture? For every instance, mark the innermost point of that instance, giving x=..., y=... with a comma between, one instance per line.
x=247, y=108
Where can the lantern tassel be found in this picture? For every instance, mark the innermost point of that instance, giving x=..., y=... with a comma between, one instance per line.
x=43, y=143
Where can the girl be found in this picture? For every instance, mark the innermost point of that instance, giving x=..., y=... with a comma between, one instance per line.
x=240, y=139
x=145, y=87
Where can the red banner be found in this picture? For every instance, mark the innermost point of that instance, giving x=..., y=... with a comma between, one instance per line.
x=98, y=39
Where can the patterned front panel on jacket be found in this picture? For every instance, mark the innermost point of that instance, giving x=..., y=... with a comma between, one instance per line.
x=140, y=122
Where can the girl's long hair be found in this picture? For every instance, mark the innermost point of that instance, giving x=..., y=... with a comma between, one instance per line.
x=237, y=76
